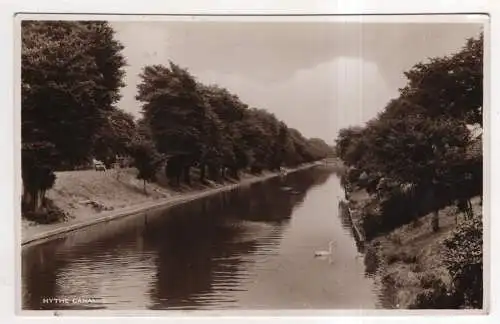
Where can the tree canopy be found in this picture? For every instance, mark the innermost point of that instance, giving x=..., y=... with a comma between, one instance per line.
x=211, y=127
x=421, y=138
x=71, y=76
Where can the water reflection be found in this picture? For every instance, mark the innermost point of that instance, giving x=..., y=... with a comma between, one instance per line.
x=205, y=254
x=220, y=237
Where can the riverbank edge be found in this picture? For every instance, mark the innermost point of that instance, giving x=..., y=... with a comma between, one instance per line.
x=379, y=250
x=150, y=206
x=374, y=258
x=359, y=236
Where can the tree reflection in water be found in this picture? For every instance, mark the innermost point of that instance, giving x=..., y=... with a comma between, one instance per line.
x=203, y=250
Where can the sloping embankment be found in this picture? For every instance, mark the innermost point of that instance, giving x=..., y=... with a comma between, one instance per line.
x=92, y=197
x=407, y=263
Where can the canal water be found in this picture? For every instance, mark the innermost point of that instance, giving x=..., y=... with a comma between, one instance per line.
x=249, y=248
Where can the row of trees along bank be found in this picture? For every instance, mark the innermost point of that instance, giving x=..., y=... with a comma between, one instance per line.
x=72, y=73
x=418, y=155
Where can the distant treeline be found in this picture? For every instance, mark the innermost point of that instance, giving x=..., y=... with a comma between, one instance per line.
x=72, y=73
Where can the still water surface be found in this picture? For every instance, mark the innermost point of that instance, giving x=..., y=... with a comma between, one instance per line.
x=250, y=248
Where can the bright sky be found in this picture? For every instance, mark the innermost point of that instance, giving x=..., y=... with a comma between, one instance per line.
x=317, y=77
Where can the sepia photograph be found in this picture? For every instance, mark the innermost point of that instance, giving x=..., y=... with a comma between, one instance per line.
x=216, y=163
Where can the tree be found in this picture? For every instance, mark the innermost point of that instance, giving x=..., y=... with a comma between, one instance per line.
x=230, y=112
x=37, y=160
x=147, y=161
x=417, y=150
x=65, y=94
x=173, y=108
x=348, y=146
x=210, y=128
x=57, y=88
x=464, y=260
x=450, y=85
x=107, y=53
x=421, y=139
x=114, y=136
x=319, y=149
x=176, y=113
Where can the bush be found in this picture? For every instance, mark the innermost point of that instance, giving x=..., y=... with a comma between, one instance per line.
x=403, y=256
x=372, y=259
x=49, y=213
x=464, y=259
x=435, y=295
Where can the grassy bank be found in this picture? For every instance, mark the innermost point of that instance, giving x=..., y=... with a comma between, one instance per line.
x=408, y=262
x=89, y=197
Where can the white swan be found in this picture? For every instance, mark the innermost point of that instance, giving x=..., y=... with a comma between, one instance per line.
x=325, y=253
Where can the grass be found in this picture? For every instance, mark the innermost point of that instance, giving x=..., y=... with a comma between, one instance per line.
x=410, y=265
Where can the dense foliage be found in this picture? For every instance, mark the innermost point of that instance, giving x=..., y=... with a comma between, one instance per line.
x=72, y=72
x=114, y=136
x=417, y=148
x=207, y=127
x=419, y=155
x=146, y=160
x=71, y=76
x=464, y=259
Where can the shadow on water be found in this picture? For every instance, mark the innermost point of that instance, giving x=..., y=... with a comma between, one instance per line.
x=369, y=252
x=189, y=256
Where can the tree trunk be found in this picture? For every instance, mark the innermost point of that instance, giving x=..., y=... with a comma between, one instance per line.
x=187, y=176
x=203, y=173
x=435, y=220
x=32, y=200
x=144, y=187
x=234, y=173
x=213, y=172
x=27, y=200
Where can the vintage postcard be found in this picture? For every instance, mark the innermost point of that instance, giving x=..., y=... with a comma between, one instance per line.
x=252, y=163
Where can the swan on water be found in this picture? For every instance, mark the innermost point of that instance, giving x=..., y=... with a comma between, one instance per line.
x=325, y=253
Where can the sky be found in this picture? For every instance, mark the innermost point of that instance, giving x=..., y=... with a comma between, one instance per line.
x=317, y=77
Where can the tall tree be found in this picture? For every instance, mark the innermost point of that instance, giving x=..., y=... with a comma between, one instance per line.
x=176, y=112
x=65, y=95
x=114, y=136
x=146, y=159
x=450, y=85
x=421, y=137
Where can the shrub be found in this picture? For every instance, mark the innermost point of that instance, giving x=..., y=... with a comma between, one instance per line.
x=49, y=213
x=402, y=256
x=435, y=295
x=464, y=259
